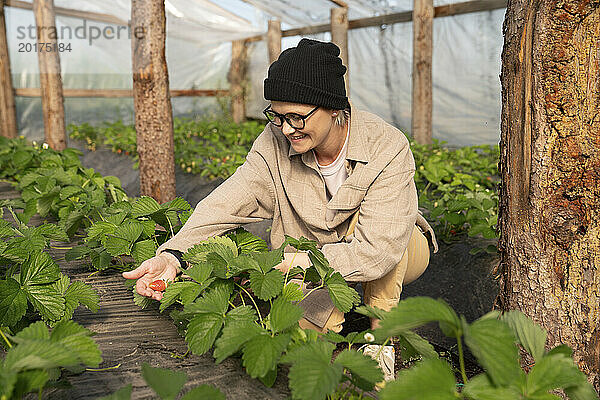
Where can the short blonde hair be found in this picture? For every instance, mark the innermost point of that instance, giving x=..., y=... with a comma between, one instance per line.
x=342, y=117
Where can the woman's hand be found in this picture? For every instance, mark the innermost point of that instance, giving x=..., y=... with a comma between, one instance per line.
x=163, y=266
x=300, y=259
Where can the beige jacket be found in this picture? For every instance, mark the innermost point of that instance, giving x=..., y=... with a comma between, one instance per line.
x=277, y=182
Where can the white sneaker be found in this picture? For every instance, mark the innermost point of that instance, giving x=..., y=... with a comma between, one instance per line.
x=385, y=357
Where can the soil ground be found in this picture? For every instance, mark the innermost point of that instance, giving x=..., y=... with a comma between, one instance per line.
x=129, y=336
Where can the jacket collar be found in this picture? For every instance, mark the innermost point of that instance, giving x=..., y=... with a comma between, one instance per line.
x=357, y=147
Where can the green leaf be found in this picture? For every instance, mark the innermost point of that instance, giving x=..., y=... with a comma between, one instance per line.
x=319, y=350
x=204, y=392
x=416, y=344
x=241, y=264
x=242, y=313
x=6, y=229
x=214, y=301
x=247, y=242
x=343, y=296
x=176, y=290
x=77, y=340
x=431, y=379
x=166, y=383
x=267, y=286
x=416, y=311
x=100, y=260
x=8, y=379
x=269, y=379
x=480, y=388
x=291, y=292
x=530, y=335
x=202, y=332
x=46, y=300
x=284, y=315
x=52, y=231
x=360, y=366
x=39, y=269
x=144, y=206
x=177, y=204
x=267, y=261
x=235, y=335
x=141, y=301
x=13, y=302
x=116, y=246
x=553, y=372
x=39, y=354
x=313, y=379
x=320, y=263
x=80, y=293
x=492, y=342
x=28, y=381
x=262, y=352
x=143, y=250
x=34, y=331
x=122, y=394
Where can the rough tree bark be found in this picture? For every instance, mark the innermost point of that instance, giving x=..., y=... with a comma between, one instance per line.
x=237, y=80
x=550, y=167
x=422, y=86
x=152, y=104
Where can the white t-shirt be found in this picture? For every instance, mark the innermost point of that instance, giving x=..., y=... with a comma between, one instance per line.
x=335, y=173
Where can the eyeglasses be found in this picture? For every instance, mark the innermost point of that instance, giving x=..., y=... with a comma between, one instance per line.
x=296, y=121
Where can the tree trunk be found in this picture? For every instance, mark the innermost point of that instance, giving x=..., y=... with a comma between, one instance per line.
x=152, y=104
x=274, y=39
x=50, y=79
x=339, y=36
x=8, y=114
x=422, y=95
x=237, y=80
x=550, y=168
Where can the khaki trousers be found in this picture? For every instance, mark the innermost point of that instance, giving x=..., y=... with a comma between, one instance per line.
x=384, y=293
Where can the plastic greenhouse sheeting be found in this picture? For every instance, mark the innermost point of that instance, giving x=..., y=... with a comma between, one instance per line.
x=466, y=61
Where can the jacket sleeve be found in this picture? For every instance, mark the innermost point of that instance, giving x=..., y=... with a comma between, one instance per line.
x=386, y=219
x=246, y=196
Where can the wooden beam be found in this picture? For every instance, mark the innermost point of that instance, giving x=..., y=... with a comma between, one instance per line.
x=237, y=79
x=8, y=113
x=115, y=93
x=50, y=79
x=422, y=99
x=68, y=12
x=274, y=39
x=151, y=101
x=395, y=18
x=340, y=3
x=339, y=36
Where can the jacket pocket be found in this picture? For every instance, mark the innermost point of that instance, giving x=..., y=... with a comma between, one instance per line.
x=341, y=207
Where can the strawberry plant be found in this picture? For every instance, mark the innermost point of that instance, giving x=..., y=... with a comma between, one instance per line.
x=167, y=385
x=130, y=229
x=35, y=356
x=495, y=340
x=32, y=280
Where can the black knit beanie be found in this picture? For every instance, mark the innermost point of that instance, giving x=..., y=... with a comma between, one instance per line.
x=311, y=73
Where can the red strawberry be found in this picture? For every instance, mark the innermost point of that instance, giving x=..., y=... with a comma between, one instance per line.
x=159, y=285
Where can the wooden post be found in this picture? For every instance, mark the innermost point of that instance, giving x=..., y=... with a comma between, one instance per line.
x=422, y=102
x=237, y=79
x=152, y=104
x=339, y=36
x=8, y=114
x=274, y=39
x=50, y=79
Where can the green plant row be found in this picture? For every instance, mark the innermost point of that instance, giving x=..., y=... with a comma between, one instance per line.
x=233, y=301
x=211, y=148
x=457, y=188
